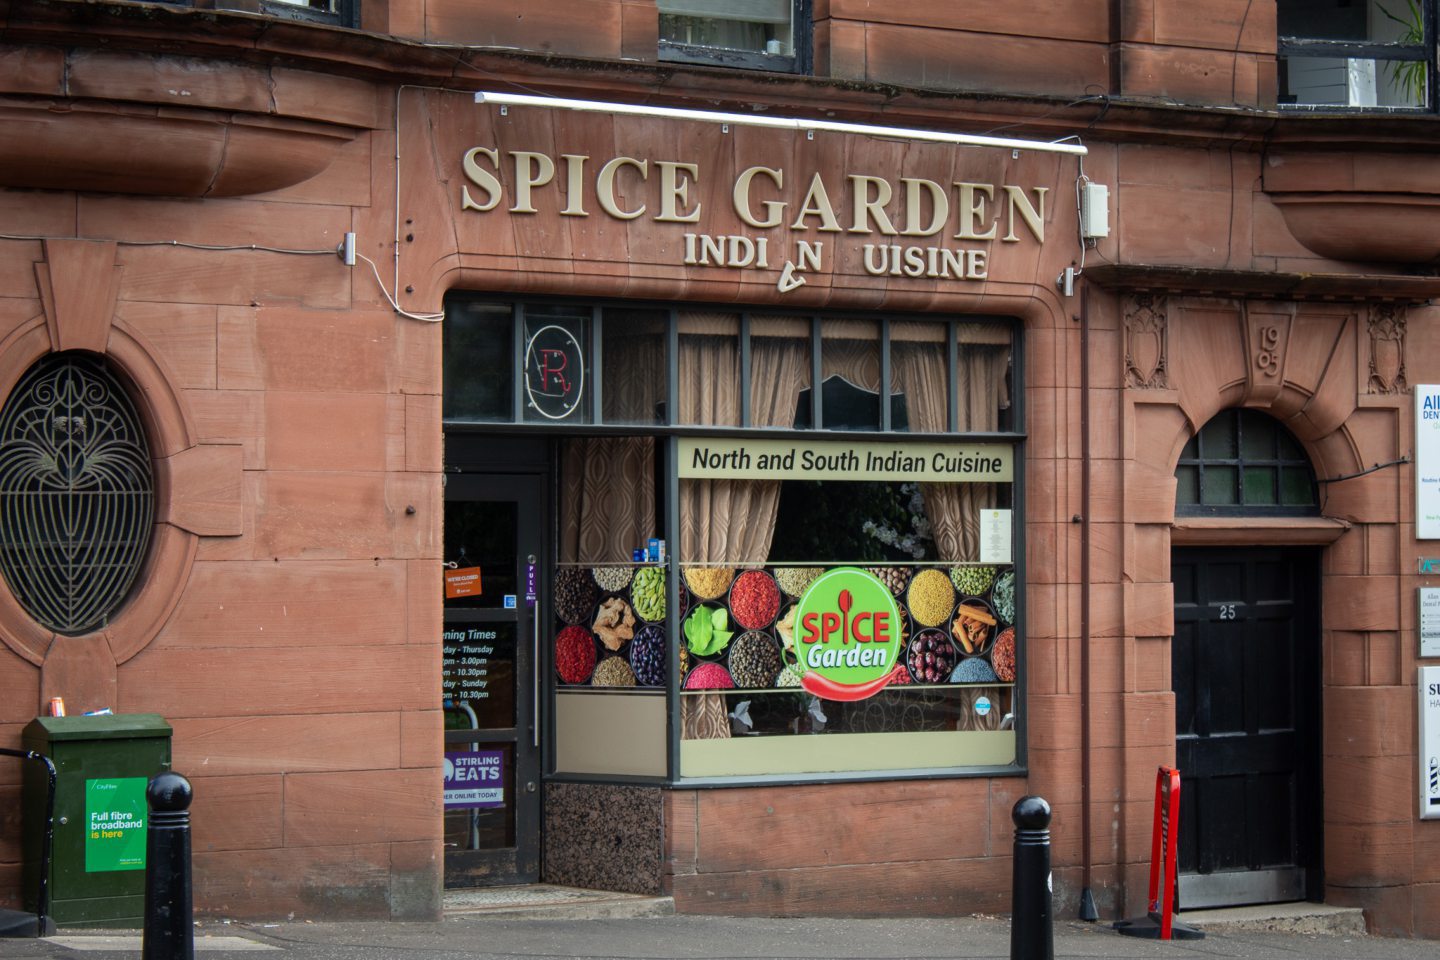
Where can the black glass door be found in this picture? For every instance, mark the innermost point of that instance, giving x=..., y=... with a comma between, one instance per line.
x=492, y=770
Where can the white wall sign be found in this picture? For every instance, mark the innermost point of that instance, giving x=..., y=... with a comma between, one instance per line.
x=1429, y=743
x=995, y=536
x=1427, y=462
x=1429, y=621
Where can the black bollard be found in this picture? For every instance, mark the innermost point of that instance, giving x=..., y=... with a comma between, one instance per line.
x=1032, y=936
x=168, y=934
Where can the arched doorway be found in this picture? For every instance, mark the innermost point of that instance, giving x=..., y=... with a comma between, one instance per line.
x=1245, y=668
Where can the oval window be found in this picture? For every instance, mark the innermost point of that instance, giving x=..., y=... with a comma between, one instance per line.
x=77, y=496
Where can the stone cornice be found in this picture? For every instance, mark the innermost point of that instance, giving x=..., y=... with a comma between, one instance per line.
x=1175, y=278
x=250, y=39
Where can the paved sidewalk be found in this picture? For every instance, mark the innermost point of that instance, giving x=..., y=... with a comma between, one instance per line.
x=472, y=936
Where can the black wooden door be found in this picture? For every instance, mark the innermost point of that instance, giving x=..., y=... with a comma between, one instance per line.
x=1246, y=673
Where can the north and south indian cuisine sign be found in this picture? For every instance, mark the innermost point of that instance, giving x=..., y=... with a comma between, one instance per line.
x=940, y=216
x=709, y=458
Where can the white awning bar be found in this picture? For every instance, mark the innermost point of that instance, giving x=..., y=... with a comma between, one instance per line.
x=783, y=123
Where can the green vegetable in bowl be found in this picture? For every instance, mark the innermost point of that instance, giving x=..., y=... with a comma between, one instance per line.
x=706, y=630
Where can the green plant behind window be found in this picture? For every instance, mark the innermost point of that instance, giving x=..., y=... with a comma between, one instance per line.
x=1409, y=77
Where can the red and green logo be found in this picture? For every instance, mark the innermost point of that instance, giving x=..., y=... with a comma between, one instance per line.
x=848, y=635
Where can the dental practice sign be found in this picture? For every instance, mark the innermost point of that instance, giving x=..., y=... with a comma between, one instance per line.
x=1427, y=462
x=848, y=635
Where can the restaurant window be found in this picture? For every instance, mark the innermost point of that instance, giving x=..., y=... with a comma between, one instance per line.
x=705, y=432
x=1243, y=461
x=749, y=34
x=1368, y=54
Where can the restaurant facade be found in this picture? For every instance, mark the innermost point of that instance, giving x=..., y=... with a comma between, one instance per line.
x=731, y=451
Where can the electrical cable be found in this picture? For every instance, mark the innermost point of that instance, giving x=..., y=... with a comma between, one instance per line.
x=427, y=317
x=1368, y=470
x=1080, y=181
x=328, y=251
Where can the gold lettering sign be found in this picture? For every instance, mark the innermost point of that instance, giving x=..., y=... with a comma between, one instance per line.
x=790, y=213
x=763, y=197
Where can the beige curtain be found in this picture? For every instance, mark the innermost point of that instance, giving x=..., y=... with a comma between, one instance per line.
x=919, y=372
x=637, y=355
x=731, y=521
x=954, y=508
x=607, y=499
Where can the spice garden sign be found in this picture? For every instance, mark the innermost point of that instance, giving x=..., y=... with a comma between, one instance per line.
x=849, y=635
x=685, y=198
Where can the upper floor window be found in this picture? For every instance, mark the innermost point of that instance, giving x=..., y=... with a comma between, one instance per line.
x=751, y=34
x=1367, y=54
x=341, y=13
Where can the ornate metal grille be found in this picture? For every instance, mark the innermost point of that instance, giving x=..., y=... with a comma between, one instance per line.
x=77, y=498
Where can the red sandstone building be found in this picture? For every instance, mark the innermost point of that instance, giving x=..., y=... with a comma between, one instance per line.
x=369, y=341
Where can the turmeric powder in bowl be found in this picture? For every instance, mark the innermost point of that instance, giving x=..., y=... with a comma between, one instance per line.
x=709, y=583
x=931, y=597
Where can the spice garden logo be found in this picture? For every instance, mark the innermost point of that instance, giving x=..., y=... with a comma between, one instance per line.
x=849, y=635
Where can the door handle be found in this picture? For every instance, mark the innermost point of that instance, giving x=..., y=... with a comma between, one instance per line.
x=535, y=671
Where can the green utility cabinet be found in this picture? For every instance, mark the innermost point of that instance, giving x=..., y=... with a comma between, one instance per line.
x=102, y=766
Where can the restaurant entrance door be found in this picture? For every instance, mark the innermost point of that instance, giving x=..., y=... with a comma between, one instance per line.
x=493, y=558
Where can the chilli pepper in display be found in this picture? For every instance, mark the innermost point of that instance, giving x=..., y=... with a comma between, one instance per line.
x=827, y=689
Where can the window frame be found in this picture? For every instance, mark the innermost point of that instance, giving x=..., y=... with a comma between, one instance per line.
x=800, y=62
x=668, y=436
x=1423, y=52
x=589, y=414
x=345, y=14
x=1239, y=463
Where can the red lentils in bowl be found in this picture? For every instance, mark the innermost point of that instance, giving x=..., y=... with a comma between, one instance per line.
x=709, y=676
x=574, y=654
x=754, y=599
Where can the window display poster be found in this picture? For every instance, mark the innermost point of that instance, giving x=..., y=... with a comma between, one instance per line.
x=115, y=824
x=995, y=531
x=474, y=779
x=1427, y=462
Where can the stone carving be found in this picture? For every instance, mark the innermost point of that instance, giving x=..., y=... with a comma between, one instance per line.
x=1386, y=326
x=1145, y=347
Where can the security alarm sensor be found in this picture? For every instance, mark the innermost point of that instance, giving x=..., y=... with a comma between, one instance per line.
x=346, y=250
x=1066, y=282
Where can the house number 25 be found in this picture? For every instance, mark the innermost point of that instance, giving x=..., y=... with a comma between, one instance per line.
x=1227, y=611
